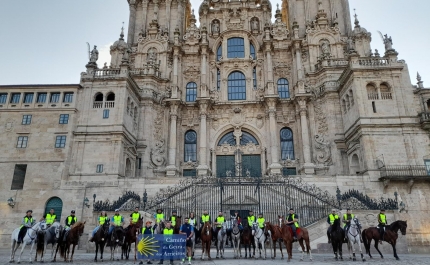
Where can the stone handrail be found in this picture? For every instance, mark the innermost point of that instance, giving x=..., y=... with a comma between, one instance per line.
x=109, y=104
x=331, y=63
x=374, y=62
x=97, y=105
x=386, y=95
x=425, y=117
x=408, y=171
x=372, y=96
x=100, y=73
x=147, y=69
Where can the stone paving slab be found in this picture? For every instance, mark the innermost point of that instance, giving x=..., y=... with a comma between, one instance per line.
x=82, y=257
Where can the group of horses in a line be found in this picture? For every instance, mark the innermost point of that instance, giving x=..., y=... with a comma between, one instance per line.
x=250, y=236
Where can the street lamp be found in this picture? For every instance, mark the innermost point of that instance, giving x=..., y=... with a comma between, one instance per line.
x=94, y=197
x=338, y=196
x=144, y=199
x=10, y=202
x=87, y=202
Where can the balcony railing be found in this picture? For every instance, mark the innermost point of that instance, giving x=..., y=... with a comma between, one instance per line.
x=405, y=172
x=386, y=95
x=97, y=105
x=372, y=96
x=373, y=62
x=109, y=104
x=425, y=117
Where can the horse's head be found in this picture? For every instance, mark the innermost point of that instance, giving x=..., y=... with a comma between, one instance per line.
x=355, y=222
x=119, y=235
x=224, y=228
x=403, y=225
x=79, y=226
x=43, y=226
x=206, y=228
x=255, y=227
x=57, y=229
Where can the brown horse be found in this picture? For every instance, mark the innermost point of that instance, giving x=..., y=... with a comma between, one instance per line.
x=247, y=240
x=206, y=237
x=131, y=233
x=303, y=235
x=287, y=237
x=276, y=236
x=72, y=238
x=177, y=225
x=390, y=236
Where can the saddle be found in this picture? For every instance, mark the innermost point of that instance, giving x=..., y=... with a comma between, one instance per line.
x=298, y=230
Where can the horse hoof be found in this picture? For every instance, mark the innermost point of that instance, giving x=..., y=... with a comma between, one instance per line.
x=354, y=259
x=364, y=260
x=301, y=259
x=397, y=259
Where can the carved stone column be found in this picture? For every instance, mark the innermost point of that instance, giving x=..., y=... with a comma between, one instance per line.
x=131, y=22
x=144, y=14
x=298, y=60
x=171, y=168
x=156, y=4
x=202, y=168
x=268, y=50
x=275, y=166
x=308, y=166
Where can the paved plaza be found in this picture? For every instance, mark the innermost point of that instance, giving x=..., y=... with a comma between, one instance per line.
x=82, y=257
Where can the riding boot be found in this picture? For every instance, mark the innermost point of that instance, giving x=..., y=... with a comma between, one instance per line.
x=329, y=238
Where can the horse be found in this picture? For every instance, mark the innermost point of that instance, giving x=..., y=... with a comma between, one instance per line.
x=206, y=237
x=220, y=241
x=177, y=226
x=130, y=237
x=303, y=235
x=354, y=238
x=287, y=237
x=100, y=239
x=259, y=238
x=390, y=236
x=72, y=238
x=276, y=236
x=235, y=238
x=116, y=240
x=337, y=235
x=28, y=239
x=49, y=236
x=247, y=239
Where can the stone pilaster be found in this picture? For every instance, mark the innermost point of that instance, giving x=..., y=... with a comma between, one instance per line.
x=131, y=22
x=171, y=168
x=309, y=167
x=203, y=168
x=275, y=166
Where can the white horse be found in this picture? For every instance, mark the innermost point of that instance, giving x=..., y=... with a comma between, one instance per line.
x=259, y=239
x=354, y=238
x=51, y=236
x=221, y=239
x=235, y=238
x=28, y=239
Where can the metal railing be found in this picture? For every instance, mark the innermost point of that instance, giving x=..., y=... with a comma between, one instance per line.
x=401, y=172
x=424, y=117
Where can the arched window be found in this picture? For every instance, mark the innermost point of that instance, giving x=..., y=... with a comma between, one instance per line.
x=228, y=138
x=219, y=52
x=191, y=92
x=98, y=97
x=428, y=105
x=190, y=146
x=355, y=165
x=252, y=51
x=254, y=78
x=235, y=48
x=283, y=88
x=56, y=204
x=218, y=79
x=287, y=144
x=128, y=170
x=236, y=86
x=98, y=101
x=110, y=97
x=247, y=138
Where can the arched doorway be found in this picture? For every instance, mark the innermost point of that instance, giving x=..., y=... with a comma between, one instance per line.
x=354, y=165
x=238, y=153
x=56, y=204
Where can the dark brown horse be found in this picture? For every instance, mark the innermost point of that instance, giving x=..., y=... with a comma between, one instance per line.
x=100, y=239
x=206, y=237
x=276, y=236
x=72, y=238
x=390, y=236
x=287, y=237
x=247, y=240
x=177, y=225
x=131, y=233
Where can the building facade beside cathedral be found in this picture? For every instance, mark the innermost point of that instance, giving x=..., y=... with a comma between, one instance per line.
x=238, y=94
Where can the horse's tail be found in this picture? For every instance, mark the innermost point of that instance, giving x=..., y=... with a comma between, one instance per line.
x=62, y=249
x=365, y=240
x=40, y=243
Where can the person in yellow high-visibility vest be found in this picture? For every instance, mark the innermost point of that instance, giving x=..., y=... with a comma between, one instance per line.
x=172, y=218
x=116, y=220
x=251, y=218
x=168, y=230
x=382, y=222
x=218, y=222
x=330, y=220
x=103, y=218
x=347, y=217
x=261, y=221
x=27, y=222
x=293, y=222
x=135, y=216
x=50, y=217
x=159, y=216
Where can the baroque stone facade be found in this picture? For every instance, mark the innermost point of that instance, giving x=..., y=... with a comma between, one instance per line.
x=301, y=95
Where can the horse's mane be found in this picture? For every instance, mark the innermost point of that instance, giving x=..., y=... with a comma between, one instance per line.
x=77, y=225
x=395, y=224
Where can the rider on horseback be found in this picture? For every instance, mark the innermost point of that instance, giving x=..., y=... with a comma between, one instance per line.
x=382, y=220
x=203, y=219
x=102, y=220
x=239, y=220
x=135, y=216
x=347, y=217
x=292, y=221
x=172, y=218
x=218, y=222
x=50, y=217
x=192, y=220
x=159, y=217
x=116, y=221
x=70, y=220
x=261, y=221
x=330, y=220
x=27, y=222
x=251, y=218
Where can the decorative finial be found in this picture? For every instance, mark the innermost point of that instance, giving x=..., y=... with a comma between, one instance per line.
x=356, y=22
x=122, y=32
x=418, y=77
x=192, y=11
x=277, y=6
x=420, y=82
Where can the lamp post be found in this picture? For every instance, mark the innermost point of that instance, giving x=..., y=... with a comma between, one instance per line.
x=87, y=202
x=338, y=197
x=94, y=197
x=10, y=202
x=144, y=199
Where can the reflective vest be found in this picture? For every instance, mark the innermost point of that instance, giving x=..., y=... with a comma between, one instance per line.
x=117, y=220
x=103, y=219
x=206, y=218
x=27, y=220
x=333, y=217
x=152, y=230
x=220, y=220
x=261, y=222
x=173, y=220
x=50, y=218
x=296, y=224
x=251, y=220
x=382, y=218
x=159, y=217
x=71, y=220
x=345, y=216
x=192, y=221
x=168, y=231
x=135, y=217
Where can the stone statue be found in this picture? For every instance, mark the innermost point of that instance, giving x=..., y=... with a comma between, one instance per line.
x=350, y=44
x=254, y=24
x=152, y=55
x=325, y=48
x=215, y=26
x=94, y=55
x=388, y=43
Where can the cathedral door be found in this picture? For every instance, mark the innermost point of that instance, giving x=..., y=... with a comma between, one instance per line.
x=251, y=165
x=225, y=166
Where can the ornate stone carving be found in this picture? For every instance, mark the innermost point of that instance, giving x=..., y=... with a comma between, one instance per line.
x=215, y=27
x=260, y=121
x=279, y=29
x=158, y=154
x=192, y=34
x=192, y=72
x=322, y=152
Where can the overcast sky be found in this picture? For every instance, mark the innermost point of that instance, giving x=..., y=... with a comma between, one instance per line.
x=44, y=42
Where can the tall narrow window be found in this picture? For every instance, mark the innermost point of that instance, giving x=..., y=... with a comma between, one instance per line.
x=235, y=48
x=3, y=98
x=15, y=98
x=41, y=97
x=374, y=106
x=252, y=51
x=22, y=142
x=99, y=168
x=190, y=146
x=28, y=97
x=218, y=79
x=254, y=78
x=55, y=98
x=283, y=88
x=18, y=177
x=64, y=119
x=191, y=92
x=236, y=86
x=60, y=141
x=219, y=52
x=287, y=144
x=26, y=119
x=105, y=114
x=68, y=97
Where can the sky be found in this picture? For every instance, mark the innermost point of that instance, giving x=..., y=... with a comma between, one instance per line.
x=44, y=42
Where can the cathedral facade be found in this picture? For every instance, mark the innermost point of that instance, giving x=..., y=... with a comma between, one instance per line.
x=240, y=94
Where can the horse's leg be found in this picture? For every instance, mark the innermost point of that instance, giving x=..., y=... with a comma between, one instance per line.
x=303, y=248
x=55, y=257
x=22, y=250
x=394, y=250
x=203, y=250
x=280, y=249
x=13, y=248
x=73, y=251
x=31, y=251
x=97, y=250
x=308, y=248
x=340, y=248
x=361, y=250
x=376, y=246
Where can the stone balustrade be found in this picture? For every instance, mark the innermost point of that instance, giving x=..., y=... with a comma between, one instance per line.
x=372, y=96
x=328, y=63
x=97, y=105
x=386, y=95
x=374, y=62
x=405, y=172
x=109, y=104
x=101, y=73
